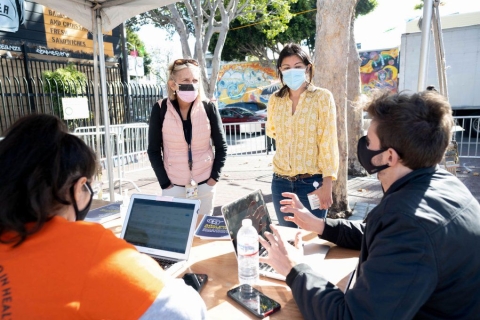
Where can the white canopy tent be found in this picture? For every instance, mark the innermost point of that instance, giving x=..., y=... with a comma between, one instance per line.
x=431, y=21
x=102, y=16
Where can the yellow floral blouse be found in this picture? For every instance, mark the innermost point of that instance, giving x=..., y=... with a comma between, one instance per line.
x=307, y=140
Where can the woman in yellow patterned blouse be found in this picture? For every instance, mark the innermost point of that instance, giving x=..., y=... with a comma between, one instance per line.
x=302, y=120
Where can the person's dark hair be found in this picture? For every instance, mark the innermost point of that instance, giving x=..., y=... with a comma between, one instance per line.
x=417, y=126
x=289, y=50
x=39, y=162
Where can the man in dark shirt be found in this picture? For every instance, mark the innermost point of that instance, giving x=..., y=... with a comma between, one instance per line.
x=419, y=254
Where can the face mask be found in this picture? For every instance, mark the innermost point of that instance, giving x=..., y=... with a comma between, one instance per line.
x=365, y=156
x=81, y=214
x=294, y=78
x=187, y=92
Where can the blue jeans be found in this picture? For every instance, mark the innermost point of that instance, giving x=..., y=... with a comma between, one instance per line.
x=301, y=188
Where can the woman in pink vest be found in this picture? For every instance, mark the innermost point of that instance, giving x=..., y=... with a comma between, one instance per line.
x=182, y=130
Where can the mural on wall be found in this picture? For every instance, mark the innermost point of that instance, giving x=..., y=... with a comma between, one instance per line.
x=246, y=81
x=379, y=70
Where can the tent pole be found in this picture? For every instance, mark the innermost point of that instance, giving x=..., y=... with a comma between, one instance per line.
x=426, y=25
x=106, y=115
x=440, y=50
x=96, y=97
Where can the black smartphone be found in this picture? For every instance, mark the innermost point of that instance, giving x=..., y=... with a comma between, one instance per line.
x=254, y=301
x=195, y=280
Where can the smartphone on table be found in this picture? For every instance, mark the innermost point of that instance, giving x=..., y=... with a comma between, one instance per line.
x=254, y=301
x=195, y=280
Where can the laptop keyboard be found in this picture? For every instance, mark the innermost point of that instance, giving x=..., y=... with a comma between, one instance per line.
x=165, y=264
x=266, y=267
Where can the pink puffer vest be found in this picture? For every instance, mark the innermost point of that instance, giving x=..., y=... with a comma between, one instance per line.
x=175, y=148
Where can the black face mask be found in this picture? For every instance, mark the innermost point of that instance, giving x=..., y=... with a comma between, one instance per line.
x=187, y=87
x=365, y=156
x=81, y=214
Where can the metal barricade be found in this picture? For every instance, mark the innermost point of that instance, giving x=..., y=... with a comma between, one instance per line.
x=90, y=139
x=135, y=145
x=131, y=145
x=466, y=133
x=116, y=128
x=246, y=138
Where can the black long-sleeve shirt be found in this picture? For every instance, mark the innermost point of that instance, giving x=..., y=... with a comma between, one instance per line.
x=419, y=256
x=155, y=141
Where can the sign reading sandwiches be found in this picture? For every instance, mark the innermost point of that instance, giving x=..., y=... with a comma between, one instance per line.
x=63, y=33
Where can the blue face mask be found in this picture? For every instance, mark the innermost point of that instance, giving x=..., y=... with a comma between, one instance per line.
x=294, y=78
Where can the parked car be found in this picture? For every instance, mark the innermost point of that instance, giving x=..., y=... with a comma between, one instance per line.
x=235, y=115
x=262, y=113
x=252, y=106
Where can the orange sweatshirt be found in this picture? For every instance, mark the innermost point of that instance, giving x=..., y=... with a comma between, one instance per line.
x=76, y=271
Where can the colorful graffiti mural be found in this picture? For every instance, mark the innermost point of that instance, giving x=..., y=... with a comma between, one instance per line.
x=245, y=81
x=379, y=70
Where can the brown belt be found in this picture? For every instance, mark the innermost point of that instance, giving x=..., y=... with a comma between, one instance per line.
x=295, y=178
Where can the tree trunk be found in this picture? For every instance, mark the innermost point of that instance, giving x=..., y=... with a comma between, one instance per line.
x=331, y=57
x=354, y=113
x=181, y=30
x=217, y=53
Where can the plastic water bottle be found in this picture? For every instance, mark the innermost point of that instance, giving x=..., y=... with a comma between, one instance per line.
x=247, y=251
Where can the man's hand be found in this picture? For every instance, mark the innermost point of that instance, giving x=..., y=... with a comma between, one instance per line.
x=282, y=256
x=301, y=216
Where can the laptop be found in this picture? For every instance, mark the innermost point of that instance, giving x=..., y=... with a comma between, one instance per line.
x=161, y=227
x=252, y=206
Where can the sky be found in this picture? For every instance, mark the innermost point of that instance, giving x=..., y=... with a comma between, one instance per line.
x=383, y=27
x=380, y=29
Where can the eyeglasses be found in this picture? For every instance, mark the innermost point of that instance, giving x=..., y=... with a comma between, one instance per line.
x=180, y=62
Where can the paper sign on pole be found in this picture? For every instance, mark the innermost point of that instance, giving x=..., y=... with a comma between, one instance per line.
x=75, y=108
x=135, y=66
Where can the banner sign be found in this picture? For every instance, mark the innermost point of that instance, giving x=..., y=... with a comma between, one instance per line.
x=49, y=32
x=12, y=15
x=75, y=108
x=65, y=34
x=135, y=66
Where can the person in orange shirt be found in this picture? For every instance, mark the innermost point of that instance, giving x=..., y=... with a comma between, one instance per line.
x=52, y=264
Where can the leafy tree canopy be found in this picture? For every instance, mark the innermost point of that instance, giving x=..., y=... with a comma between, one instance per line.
x=419, y=6
x=204, y=19
x=251, y=40
x=365, y=7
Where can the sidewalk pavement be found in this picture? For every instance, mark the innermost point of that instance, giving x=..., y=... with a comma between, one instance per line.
x=243, y=174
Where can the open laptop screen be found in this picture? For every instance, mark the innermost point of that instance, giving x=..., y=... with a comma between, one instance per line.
x=252, y=206
x=162, y=225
